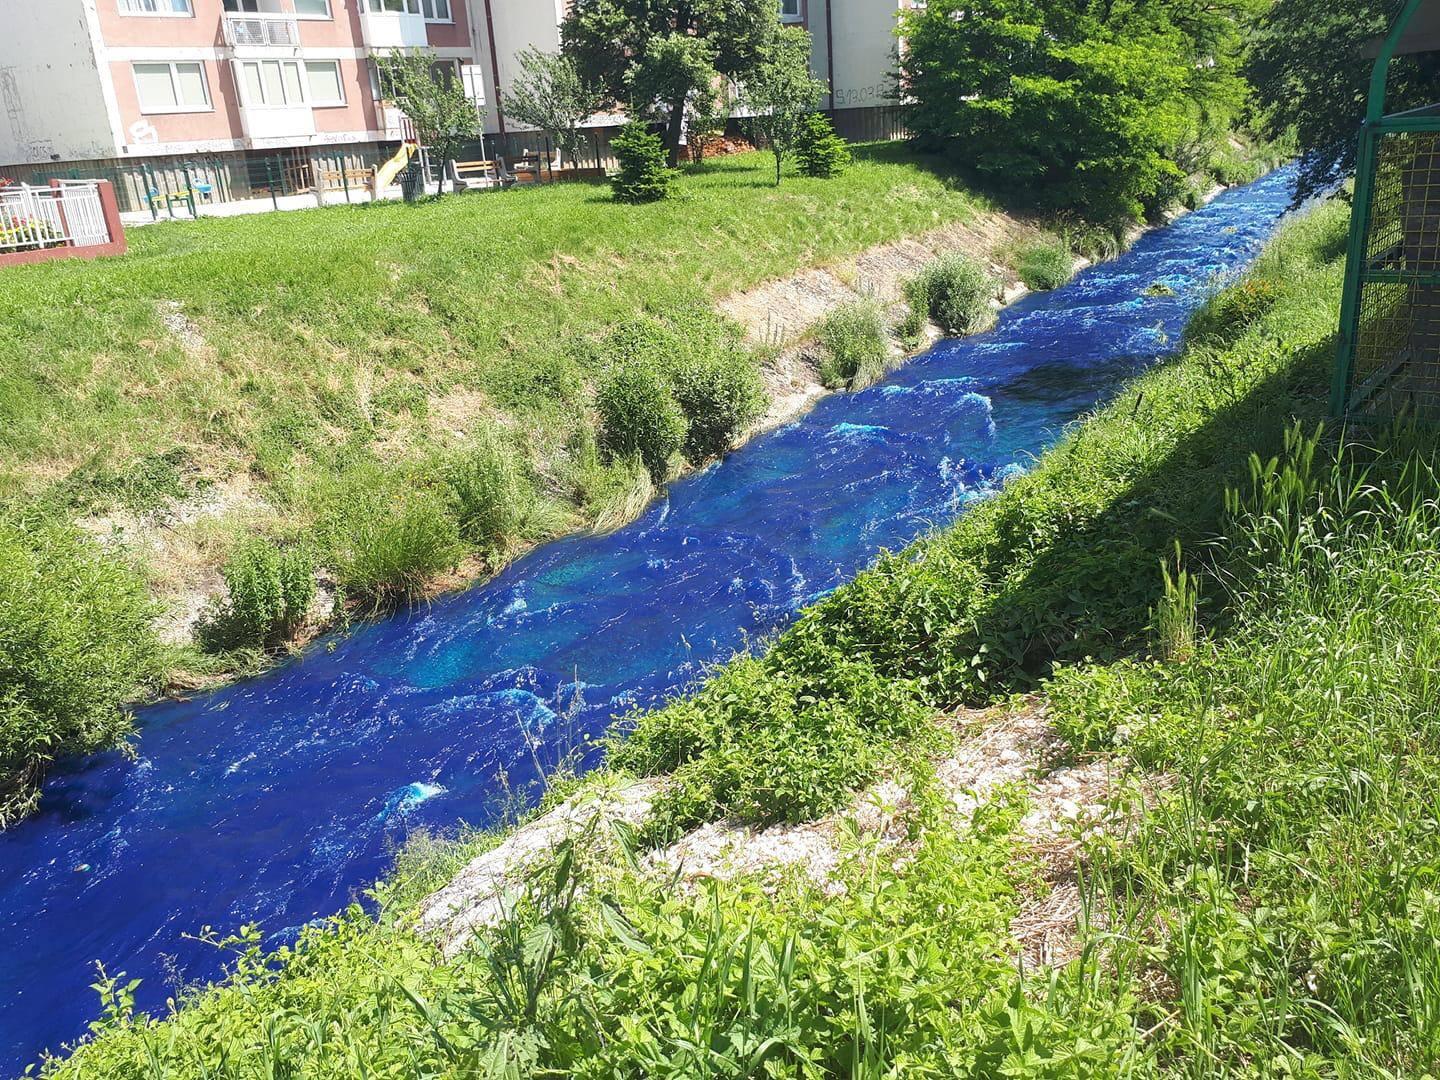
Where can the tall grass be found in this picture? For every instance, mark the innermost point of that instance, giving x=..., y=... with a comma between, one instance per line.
x=855, y=347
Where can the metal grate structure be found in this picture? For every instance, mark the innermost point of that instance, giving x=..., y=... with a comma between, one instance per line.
x=1389, y=357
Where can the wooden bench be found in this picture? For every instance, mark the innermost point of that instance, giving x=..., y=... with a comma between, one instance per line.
x=480, y=174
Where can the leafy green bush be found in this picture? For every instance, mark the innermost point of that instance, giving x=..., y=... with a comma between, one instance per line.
x=720, y=395
x=639, y=415
x=954, y=292
x=704, y=368
x=1232, y=311
x=386, y=538
x=267, y=594
x=76, y=644
x=495, y=502
x=643, y=175
x=1045, y=264
x=854, y=343
x=818, y=150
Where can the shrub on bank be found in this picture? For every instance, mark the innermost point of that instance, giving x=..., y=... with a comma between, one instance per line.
x=1046, y=264
x=386, y=538
x=643, y=175
x=639, y=416
x=720, y=395
x=1231, y=311
x=687, y=363
x=76, y=644
x=495, y=502
x=954, y=292
x=268, y=591
x=853, y=345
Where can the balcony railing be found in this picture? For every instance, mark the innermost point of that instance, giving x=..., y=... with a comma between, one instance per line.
x=262, y=31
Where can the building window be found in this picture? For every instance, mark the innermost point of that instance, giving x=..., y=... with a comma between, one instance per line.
x=278, y=84
x=177, y=87
x=436, y=10
x=312, y=9
x=249, y=7
x=154, y=7
x=790, y=10
x=322, y=82
x=393, y=7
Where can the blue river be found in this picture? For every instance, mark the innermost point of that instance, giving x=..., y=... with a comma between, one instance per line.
x=275, y=800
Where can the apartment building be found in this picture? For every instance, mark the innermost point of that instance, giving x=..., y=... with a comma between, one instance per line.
x=253, y=90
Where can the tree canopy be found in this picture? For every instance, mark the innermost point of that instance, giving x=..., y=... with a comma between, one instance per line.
x=780, y=91
x=1097, y=105
x=433, y=99
x=551, y=95
x=655, y=57
x=1311, y=78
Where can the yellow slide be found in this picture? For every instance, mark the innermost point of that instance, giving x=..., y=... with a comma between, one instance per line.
x=385, y=175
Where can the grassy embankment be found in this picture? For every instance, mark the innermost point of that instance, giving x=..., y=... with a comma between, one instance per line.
x=1269, y=910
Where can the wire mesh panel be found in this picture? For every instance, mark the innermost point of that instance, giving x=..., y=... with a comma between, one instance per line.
x=1395, y=359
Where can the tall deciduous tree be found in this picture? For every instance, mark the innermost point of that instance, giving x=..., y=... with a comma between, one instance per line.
x=433, y=99
x=1310, y=76
x=551, y=95
x=654, y=56
x=780, y=91
x=1099, y=105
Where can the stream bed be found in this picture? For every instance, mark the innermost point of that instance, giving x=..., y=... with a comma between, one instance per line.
x=274, y=800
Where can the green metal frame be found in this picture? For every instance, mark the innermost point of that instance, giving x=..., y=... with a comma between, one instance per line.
x=1377, y=124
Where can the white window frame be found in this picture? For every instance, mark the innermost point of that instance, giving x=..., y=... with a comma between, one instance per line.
x=449, y=6
x=302, y=80
x=339, y=81
x=328, y=16
x=377, y=7
x=797, y=16
x=174, y=87
x=130, y=13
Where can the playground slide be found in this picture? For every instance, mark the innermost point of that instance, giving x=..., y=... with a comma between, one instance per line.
x=385, y=175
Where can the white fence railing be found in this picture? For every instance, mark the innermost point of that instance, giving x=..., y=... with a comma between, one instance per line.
x=34, y=218
x=261, y=31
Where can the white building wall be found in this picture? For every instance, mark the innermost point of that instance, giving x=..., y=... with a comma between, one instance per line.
x=53, y=101
x=518, y=24
x=865, y=50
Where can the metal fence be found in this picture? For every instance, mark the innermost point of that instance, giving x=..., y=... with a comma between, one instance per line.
x=33, y=219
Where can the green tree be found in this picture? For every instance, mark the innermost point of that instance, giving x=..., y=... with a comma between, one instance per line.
x=1097, y=106
x=780, y=91
x=655, y=56
x=428, y=93
x=643, y=175
x=821, y=153
x=1310, y=78
x=550, y=95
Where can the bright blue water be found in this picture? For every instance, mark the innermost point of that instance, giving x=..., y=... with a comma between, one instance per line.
x=275, y=799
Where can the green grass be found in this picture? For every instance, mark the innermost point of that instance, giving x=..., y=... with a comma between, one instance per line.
x=1274, y=908
x=352, y=327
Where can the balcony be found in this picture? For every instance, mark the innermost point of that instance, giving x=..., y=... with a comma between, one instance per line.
x=269, y=125
x=393, y=29
x=252, y=34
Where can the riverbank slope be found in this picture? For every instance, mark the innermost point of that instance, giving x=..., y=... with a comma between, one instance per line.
x=1194, y=877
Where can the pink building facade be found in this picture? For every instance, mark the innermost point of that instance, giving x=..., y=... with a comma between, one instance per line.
x=226, y=82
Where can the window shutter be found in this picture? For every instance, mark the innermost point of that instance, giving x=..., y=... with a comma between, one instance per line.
x=472, y=78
